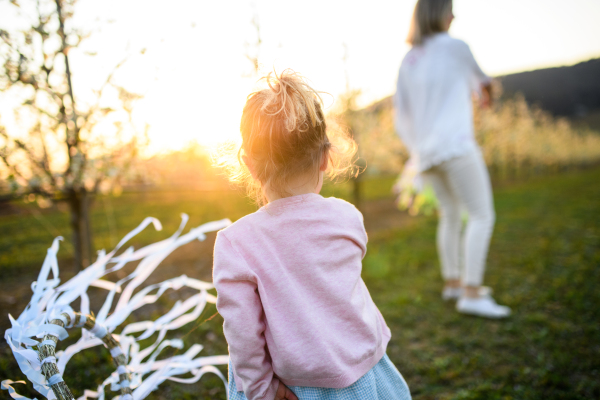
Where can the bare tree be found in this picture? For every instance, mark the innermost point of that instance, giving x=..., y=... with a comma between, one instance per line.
x=58, y=151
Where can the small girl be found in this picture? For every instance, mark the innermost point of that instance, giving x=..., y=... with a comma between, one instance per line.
x=299, y=320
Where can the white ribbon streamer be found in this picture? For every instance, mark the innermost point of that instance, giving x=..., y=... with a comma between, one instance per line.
x=50, y=359
x=6, y=385
x=49, y=301
x=98, y=330
x=54, y=379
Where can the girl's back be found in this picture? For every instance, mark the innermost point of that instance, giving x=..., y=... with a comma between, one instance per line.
x=303, y=256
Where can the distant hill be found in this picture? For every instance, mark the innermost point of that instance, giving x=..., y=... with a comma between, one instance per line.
x=572, y=91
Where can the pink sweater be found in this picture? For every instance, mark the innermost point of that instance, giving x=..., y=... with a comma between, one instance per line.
x=296, y=309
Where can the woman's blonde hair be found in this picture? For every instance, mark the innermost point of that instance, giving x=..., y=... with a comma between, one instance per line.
x=285, y=135
x=428, y=18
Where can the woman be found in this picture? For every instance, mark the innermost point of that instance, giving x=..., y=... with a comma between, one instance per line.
x=434, y=118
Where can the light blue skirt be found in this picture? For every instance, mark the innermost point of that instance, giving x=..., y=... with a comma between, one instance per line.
x=382, y=382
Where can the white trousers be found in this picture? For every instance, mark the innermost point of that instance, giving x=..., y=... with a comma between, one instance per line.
x=463, y=183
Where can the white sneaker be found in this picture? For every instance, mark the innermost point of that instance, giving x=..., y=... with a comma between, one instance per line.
x=450, y=293
x=484, y=306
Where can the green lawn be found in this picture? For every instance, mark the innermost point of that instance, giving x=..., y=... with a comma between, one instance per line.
x=544, y=262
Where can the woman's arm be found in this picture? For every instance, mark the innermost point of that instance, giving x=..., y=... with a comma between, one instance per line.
x=239, y=303
x=483, y=83
x=402, y=115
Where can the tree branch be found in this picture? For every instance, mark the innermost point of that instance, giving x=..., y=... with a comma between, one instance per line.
x=96, y=107
x=65, y=50
x=40, y=164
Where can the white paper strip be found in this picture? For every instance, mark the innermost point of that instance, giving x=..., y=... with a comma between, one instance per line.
x=49, y=300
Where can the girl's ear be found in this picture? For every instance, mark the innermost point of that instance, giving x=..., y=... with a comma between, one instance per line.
x=250, y=166
x=324, y=161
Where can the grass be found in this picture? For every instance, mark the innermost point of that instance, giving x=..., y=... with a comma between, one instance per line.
x=27, y=232
x=544, y=262
x=26, y=236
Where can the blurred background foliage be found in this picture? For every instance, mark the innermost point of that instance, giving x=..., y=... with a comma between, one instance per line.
x=517, y=139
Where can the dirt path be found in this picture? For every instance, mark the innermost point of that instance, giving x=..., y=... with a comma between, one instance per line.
x=383, y=215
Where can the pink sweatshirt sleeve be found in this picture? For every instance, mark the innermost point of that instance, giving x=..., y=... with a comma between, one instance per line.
x=239, y=304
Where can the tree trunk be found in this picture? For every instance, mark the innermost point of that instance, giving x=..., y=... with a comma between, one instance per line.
x=356, y=181
x=79, y=204
x=356, y=197
x=357, y=184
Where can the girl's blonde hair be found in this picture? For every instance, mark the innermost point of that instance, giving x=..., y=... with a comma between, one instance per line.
x=428, y=18
x=284, y=134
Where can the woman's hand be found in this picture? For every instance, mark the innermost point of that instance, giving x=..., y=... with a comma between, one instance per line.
x=486, y=95
x=284, y=393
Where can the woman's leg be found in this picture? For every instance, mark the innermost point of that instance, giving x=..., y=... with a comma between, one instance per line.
x=469, y=180
x=449, y=225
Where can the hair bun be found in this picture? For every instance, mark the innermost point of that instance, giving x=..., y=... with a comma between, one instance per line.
x=292, y=97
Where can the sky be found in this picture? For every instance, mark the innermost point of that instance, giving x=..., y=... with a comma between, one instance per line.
x=194, y=75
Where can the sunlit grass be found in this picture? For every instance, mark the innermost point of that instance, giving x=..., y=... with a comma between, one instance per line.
x=544, y=262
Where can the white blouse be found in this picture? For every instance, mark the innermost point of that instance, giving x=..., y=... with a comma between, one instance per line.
x=433, y=106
